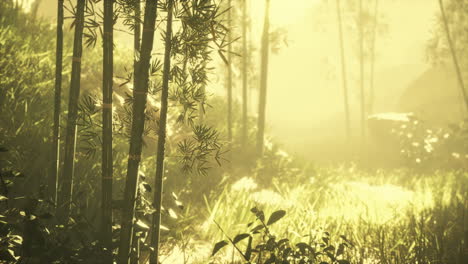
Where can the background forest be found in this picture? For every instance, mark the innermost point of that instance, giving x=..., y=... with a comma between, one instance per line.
x=233, y=131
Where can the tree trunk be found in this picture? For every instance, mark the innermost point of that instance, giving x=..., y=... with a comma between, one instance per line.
x=65, y=198
x=361, y=70
x=263, y=81
x=343, y=74
x=107, y=169
x=229, y=73
x=244, y=75
x=372, y=60
x=158, y=183
x=138, y=122
x=454, y=54
x=53, y=177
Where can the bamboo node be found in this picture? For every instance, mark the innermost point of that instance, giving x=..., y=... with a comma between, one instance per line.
x=139, y=92
x=147, y=29
x=134, y=157
x=107, y=106
x=76, y=59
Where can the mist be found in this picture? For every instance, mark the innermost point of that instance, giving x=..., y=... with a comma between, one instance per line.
x=233, y=131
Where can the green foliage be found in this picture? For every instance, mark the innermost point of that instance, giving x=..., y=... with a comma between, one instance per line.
x=25, y=98
x=264, y=247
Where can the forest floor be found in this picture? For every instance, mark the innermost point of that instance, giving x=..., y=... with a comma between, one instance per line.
x=387, y=215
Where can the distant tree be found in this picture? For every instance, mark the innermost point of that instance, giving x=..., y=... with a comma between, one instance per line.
x=160, y=155
x=372, y=59
x=64, y=199
x=244, y=75
x=55, y=160
x=140, y=91
x=265, y=46
x=361, y=20
x=343, y=72
x=361, y=73
x=229, y=66
x=453, y=52
x=107, y=160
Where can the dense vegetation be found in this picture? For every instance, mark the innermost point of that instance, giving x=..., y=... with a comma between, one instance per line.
x=121, y=155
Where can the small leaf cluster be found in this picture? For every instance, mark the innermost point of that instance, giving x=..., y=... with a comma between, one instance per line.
x=263, y=247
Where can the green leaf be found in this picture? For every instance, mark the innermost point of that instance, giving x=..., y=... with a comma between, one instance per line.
x=147, y=187
x=142, y=225
x=274, y=217
x=218, y=246
x=239, y=238
x=340, y=250
x=257, y=228
x=3, y=198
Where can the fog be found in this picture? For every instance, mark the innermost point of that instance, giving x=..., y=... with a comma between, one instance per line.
x=224, y=131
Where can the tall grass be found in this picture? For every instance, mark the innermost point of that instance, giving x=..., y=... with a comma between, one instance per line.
x=389, y=216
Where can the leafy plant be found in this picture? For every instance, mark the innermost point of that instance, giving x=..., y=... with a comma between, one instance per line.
x=266, y=248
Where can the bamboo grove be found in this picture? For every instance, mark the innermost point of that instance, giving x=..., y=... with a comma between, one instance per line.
x=144, y=103
x=198, y=21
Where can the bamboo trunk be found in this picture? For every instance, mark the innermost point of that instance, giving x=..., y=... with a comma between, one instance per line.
x=343, y=73
x=244, y=75
x=107, y=169
x=263, y=82
x=64, y=199
x=138, y=122
x=135, y=254
x=155, y=235
x=53, y=177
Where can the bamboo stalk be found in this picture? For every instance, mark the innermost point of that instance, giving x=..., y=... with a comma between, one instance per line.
x=64, y=198
x=138, y=121
x=53, y=177
x=158, y=183
x=107, y=160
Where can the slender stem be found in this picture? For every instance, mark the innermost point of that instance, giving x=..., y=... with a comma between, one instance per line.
x=57, y=101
